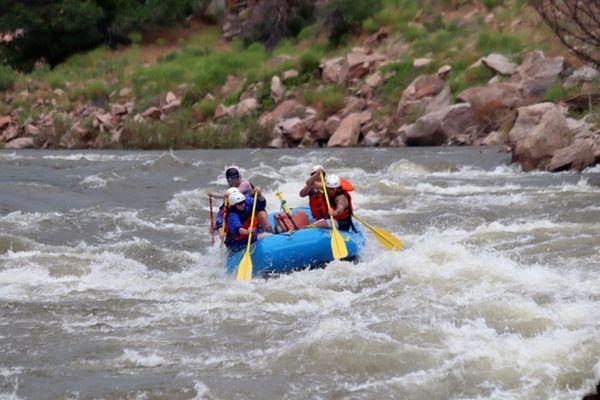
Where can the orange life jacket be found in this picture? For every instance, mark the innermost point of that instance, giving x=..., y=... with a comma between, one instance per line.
x=317, y=203
x=347, y=212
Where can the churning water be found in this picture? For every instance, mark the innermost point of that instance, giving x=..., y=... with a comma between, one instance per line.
x=109, y=287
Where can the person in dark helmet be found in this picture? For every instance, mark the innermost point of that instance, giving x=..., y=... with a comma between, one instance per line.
x=233, y=175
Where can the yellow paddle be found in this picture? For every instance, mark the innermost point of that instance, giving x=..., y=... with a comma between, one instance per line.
x=338, y=246
x=285, y=206
x=390, y=241
x=244, y=272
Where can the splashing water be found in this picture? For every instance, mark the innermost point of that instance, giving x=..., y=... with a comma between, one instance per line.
x=109, y=287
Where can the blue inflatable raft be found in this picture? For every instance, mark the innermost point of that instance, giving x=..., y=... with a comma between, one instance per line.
x=302, y=249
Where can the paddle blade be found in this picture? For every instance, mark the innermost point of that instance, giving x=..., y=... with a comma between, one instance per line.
x=244, y=272
x=338, y=245
x=390, y=241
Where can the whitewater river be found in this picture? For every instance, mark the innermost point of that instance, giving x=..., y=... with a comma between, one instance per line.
x=109, y=288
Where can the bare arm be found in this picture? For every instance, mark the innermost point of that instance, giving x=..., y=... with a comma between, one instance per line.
x=341, y=203
x=312, y=183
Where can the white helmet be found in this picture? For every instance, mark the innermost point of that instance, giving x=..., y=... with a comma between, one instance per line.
x=333, y=181
x=236, y=198
x=315, y=169
x=231, y=191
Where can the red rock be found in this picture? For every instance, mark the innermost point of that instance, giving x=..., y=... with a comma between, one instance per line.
x=19, y=143
x=493, y=105
x=5, y=122
x=536, y=149
x=440, y=127
x=347, y=133
x=152, y=112
x=332, y=123
x=537, y=73
x=31, y=130
x=287, y=109
x=577, y=156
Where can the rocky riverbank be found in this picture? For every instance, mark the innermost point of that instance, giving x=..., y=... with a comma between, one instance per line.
x=507, y=99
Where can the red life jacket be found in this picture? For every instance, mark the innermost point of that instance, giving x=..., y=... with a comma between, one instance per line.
x=347, y=212
x=246, y=224
x=318, y=205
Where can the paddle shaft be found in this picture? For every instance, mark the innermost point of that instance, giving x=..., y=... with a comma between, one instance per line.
x=251, y=222
x=212, y=222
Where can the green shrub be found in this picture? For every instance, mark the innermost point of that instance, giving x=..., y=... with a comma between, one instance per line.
x=343, y=17
x=369, y=25
x=558, y=92
x=135, y=37
x=205, y=71
x=436, y=42
x=470, y=77
x=308, y=32
x=404, y=74
x=328, y=99
x=309, y=62
x=7, y=77
x=490, y=4
x=207, y=107
x=96, y=91
x=493, y=42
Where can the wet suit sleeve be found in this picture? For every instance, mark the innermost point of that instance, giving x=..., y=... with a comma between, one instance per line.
x=234, y=224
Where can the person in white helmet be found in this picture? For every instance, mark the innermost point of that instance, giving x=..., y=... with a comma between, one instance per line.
x=238, y=216
x=316, y=200
x=341, y=202
x=221, y=212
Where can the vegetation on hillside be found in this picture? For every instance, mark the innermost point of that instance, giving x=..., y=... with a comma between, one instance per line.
x=198, y=66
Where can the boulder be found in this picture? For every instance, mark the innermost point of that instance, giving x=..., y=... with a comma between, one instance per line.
x=9, y=133
x=421, y=62
x=443, y=71
x=493, y=139
x=105, y=119
x=347, y=133
x=331, y=70
x=437, y=128
x=527, y=118
x=320, y=132
x=500, y=64
x=171, y=98
x=536, y=148
x=118, y=109
x=5, y=121
x=427, y=93
x=292, y=129
x=125, y=92
x=581, y=75
x=245, y=107
x=577, y=156
x=493, y=104
x=152, y=112
x=332, y=123
x=289, y=74
x=171, y=107
x=19, y=143
x=58, y=92
x=358, y=62
x=277, y=89
x=371, y=139
x=31, y=130
x=374, y=80
x=287, y=109
x=537, y=73
x=377, y=38
x=352, y=105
